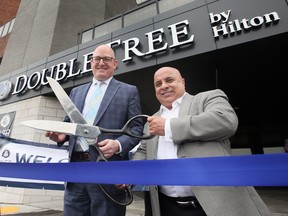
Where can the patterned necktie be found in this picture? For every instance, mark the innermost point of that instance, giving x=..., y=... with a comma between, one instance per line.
x=91, y=112
x=93, y=105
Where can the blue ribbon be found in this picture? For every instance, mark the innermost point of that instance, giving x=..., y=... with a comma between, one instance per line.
x=251, y=170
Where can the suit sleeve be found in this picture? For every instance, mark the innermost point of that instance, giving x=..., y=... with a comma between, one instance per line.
x=213, y=118
x=134, y=108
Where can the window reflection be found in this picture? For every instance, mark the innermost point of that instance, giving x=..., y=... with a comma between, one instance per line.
x=87, y=35
x=165, y=5
x=108, y=27
x=6, y=28
x=141, y=14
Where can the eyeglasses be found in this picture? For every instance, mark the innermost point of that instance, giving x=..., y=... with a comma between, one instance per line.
x=106, y=59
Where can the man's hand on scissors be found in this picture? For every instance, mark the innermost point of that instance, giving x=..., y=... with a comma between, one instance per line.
x=156, y=125
x=121, y=186
x=56, y=137
x=108, y=147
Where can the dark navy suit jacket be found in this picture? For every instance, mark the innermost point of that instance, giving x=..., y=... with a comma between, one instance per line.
x=120, y=103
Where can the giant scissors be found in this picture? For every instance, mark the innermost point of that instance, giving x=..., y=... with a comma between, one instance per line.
x=80, y=127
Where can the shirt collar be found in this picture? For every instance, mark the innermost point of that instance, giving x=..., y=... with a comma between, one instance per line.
x=107, y=81
x=174, y=104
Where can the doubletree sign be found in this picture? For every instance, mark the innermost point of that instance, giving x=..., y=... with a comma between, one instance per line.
x=179, y=33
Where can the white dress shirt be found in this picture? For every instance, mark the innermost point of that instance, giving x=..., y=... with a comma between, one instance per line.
x=168, y=150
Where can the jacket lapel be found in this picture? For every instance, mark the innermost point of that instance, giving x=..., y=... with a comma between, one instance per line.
x=153, y=146
x=79, y=102
x=185, y=104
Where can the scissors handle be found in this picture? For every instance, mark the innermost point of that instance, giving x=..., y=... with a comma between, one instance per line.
x=127, y=129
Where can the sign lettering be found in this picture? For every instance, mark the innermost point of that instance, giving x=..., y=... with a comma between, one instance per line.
x=220, y=23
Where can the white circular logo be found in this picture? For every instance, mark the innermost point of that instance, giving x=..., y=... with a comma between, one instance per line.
x=5, y=120
x=5, y=88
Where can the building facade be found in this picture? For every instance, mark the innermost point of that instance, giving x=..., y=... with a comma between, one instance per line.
x=237, y=46
x=7, y=18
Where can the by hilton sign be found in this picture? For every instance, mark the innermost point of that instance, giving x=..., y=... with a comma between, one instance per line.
x=227, y=27
x=220, y=23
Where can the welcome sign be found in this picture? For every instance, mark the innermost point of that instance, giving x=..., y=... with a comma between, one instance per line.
x=20, y=151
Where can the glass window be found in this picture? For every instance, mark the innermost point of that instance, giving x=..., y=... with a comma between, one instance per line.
x=87, y=36
x=107, y=27
x=139, y=15
x=5, y=30
x=165, y=5
x=141, y=1
x=11, y=25
x=1, y=30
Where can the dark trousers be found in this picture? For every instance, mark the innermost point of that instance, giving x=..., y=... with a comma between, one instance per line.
x=89, y=200
x=169, y=207
x=147, y=203
x=84, y=199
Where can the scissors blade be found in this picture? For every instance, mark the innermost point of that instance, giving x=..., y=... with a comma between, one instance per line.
x=67, y=104
x=82, y=130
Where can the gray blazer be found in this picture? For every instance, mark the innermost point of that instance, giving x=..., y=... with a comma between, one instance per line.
x=206, y=122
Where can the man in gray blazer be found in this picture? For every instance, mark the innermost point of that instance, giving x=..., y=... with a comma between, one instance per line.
x=189, y=126
x=120, y=102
